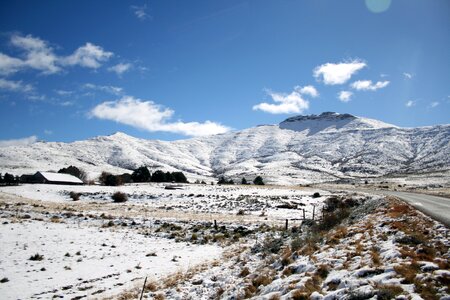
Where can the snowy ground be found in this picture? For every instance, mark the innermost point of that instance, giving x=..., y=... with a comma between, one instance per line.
x=95, y=248
x=250, y=200
x=83, y=260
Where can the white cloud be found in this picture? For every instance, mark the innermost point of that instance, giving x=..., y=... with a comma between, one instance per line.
x=15, y=86
x=89, y=56
x=9, y=65
x=63, y=92
x=367, y=85
x=104, y=88
x=19, y=142
x=345, y=96
x=48, y=132
x=338, y=73
x=407, y=75
x=140, y=12
x=38, y=55
x=119, y=69
x=286, y=103
x=152, y=117
x=434, y=104
x=307, y=90
x=66, y=103
x=410, y=103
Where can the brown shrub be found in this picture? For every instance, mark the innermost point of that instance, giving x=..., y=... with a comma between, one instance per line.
x=119, y=197
x=244, y=272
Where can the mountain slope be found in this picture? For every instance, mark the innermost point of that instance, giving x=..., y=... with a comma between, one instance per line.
x=300, y=149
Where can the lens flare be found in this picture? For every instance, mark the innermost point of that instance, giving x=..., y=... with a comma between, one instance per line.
x=378, y=6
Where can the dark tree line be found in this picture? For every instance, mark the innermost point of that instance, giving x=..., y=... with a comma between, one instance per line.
x=142, y=174
x=9, y=179
x=257, y=181
x=74, y=171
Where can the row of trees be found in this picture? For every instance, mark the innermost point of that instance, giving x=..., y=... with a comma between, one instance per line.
x=74, y=171
x=9, y=179
x=257, y=181
x=142, y=174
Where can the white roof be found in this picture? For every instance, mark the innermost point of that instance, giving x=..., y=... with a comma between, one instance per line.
x=60, y=177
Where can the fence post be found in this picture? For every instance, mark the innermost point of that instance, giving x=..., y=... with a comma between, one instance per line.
x=314, y=211
x=304, y=217
x=215, y=224
x=286, y=227
x=143, y=288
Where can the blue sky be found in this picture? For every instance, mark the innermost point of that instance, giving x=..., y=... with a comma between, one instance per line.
x=71, y=70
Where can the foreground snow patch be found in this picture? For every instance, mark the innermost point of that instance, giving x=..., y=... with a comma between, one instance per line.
x=86, y=261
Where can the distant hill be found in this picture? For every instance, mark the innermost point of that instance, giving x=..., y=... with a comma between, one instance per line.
x=301, y=149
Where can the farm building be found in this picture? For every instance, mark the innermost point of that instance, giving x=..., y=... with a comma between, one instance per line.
x=56, y=178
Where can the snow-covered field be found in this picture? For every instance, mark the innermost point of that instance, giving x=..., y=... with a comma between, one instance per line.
x=86, y=260
x=192, y=198
x=95, y=248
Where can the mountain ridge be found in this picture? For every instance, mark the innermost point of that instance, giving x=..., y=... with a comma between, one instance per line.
x=300, y=149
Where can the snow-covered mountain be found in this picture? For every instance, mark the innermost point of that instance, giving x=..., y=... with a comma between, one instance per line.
x=301, y=149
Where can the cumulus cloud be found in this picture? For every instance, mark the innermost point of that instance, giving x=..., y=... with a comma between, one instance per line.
x=284, y=103
x=367, y=85
x=339, y=73
x=152, y=117
x=119, y=69
x=410, y=103
x=307, y=90
x=345, y=96
x=37, y=54
x=89, y=56
x=140, y=12
x=104, y=88
x=18, y=142
x=15, y=86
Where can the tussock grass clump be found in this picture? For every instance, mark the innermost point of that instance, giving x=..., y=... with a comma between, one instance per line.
x=374, y=253
x=299, y=295
x=244, y=272
x=408, y=271
x=296, y=244
x=322, y=271
x=286, y=258
x=263, y=279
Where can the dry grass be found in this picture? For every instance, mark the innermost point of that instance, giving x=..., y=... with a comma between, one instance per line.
x=275, y=297
x=244, y=272
x=399, y=210
x=299, y=295
x=408, y=271
x=159, y=297
x=388, y=292
x=286, y=258
x=375, y=256
x=263, y=279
